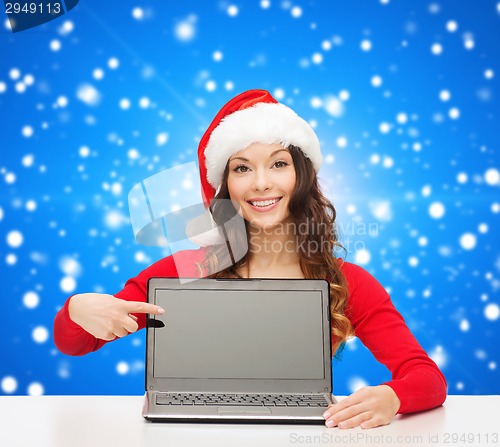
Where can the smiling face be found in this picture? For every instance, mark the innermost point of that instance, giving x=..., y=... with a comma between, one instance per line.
x=261, y=181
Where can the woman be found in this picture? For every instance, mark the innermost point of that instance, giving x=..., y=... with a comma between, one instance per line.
x=263, y=158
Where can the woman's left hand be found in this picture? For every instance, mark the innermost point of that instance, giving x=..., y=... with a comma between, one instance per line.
x=369, y=407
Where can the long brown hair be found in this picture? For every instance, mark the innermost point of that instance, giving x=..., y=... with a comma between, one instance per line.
x=314, y=215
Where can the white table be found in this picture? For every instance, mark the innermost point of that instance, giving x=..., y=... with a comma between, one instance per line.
x=95, y=421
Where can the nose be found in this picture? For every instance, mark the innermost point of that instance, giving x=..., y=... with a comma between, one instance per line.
x=262, y=181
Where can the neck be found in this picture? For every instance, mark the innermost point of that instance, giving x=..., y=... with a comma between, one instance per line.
x=270, y=247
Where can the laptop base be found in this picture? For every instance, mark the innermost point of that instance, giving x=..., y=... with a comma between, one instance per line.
x=238, y=421
x=153, y=412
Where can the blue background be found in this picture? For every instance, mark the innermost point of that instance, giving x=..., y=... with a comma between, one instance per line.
x=395, y=151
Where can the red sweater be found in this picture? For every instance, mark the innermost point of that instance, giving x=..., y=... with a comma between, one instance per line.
x=416, y=379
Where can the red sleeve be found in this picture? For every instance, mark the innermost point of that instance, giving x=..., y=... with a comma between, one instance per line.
x=72, y=339
x=416, y=379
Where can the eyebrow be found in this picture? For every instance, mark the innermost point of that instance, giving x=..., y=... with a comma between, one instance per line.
x=270, y=156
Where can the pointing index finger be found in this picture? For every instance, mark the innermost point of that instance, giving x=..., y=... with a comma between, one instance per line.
x=137, y=307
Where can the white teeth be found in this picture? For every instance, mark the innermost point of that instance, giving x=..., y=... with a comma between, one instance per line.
x=264, y=203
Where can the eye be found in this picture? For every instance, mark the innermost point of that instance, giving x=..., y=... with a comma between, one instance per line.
x=241, y=168
x=281, y=164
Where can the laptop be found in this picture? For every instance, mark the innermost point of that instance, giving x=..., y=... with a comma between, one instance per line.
x=238, y=350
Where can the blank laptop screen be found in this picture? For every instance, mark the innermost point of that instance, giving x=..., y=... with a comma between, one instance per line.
x=236, y=334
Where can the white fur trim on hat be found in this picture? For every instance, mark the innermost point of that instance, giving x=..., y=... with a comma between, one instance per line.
x=266, y=123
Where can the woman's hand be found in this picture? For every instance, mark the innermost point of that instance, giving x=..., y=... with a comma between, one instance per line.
x=369, y=407
x=107, y=317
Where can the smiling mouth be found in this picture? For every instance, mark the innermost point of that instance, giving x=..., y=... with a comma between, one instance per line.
x=264, y=203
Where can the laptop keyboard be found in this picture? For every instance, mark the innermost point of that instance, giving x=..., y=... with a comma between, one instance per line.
x=259, y=400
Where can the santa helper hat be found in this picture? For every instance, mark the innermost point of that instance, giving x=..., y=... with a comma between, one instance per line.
x=251, y=117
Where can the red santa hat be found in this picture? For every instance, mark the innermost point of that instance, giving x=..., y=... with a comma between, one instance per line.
x=251, y=117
